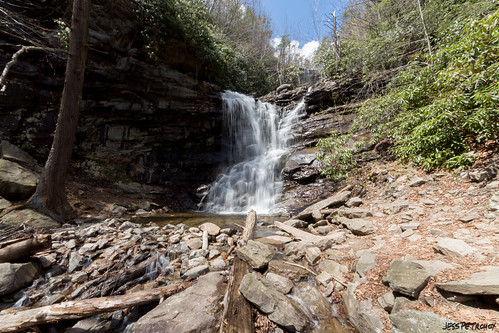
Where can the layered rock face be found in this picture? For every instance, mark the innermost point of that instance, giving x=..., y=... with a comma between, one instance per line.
x=141, y=120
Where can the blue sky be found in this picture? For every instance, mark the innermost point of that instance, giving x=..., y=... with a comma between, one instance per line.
x=296, y=18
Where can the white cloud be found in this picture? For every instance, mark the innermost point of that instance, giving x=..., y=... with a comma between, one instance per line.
x=306, y=52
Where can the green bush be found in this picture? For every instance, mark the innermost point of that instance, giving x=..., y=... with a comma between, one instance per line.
x=335, y=156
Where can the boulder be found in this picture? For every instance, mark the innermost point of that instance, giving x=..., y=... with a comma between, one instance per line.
x=256, y=254
x=407, y=277
x=283, y=284
x=279, y=308
x=196, y=271
x=16, y=181
x=192, y=310
x=16, y=276
x=481, y=283
x=453, y=247
x=366, y=261
x=14, y=154
x=412, y=321
x=30, y=218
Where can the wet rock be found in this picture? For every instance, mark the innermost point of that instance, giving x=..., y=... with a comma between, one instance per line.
x=283, y=284
x=192, y=310
x=418, y=322
x=354, y=213
x=256, y=254
x=296, y=250
x=453, y=247
x=406, y=277
x=29, y=218
x=361, y=314
x=16, y=276
x=196, y=271
x=279, y=308
x=358, y=227
x=75, y=261
x=211, y=228
x=314, y=303
x=16, y=182
x=481, y=283
x=176, y=250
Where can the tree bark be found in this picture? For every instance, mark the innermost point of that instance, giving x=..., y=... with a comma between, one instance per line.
x=238, y=314
x=50, y=195
x=21, y=320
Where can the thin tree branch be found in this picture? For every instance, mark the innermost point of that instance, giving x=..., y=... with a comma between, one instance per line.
x=16, y=56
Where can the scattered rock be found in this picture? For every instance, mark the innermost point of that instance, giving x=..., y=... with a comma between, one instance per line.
x=418, y=181
x=453, y=247
x=469, y=217
x=279, y=308
x=296, y=223
x=354, y=213
x=256, y=254
x=358, y=226
x=387, y=301
x=366, y=261
x=361, y=314
x=354, y=202
x=406, y=277
x=195, y=309
x=312, y=254
x=196, y=271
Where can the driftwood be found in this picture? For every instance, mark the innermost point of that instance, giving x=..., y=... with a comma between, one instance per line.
x=238, y=315
x=24, y=248
x=22, y=320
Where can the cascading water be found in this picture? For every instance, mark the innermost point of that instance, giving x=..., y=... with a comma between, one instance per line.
x=256, y=138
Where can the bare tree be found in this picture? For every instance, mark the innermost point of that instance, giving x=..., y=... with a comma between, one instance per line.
x=50, y=195
x=424, y=27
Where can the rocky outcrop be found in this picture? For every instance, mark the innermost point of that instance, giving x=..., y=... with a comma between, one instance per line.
x=148, y=121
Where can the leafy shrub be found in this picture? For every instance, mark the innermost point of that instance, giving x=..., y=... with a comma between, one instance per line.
x=335, y=156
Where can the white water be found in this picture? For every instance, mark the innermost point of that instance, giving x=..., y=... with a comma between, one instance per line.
x=255, y=138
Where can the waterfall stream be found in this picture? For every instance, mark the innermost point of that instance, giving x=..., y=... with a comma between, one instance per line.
x=255, y=137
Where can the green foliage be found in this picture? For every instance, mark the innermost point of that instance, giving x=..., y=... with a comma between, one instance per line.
x=218, y=58
x=62, y=33
x=440, y=109
x=335, y=156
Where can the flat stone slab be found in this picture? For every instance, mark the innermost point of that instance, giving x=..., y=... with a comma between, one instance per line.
x=407, y=277
x=358, y=227
x=256, y=254
x=453, y=247
x=195, y=309
x=4, y=203
x=275, y=240
x=354, y=213
x=481, y=283
x=412, y=321
x=314, y=210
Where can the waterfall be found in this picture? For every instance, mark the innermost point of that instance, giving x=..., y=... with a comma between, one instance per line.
x=255, y=138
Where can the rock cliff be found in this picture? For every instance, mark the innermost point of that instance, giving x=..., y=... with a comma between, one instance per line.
x=142, y=120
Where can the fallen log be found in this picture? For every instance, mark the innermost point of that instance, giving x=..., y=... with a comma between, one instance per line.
x=238, y=314
x=24, y=248
x=22, y=320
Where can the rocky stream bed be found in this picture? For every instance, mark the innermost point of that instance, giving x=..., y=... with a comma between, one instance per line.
x=394, y=250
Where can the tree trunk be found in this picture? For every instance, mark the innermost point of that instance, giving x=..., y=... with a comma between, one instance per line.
x=50, y=196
